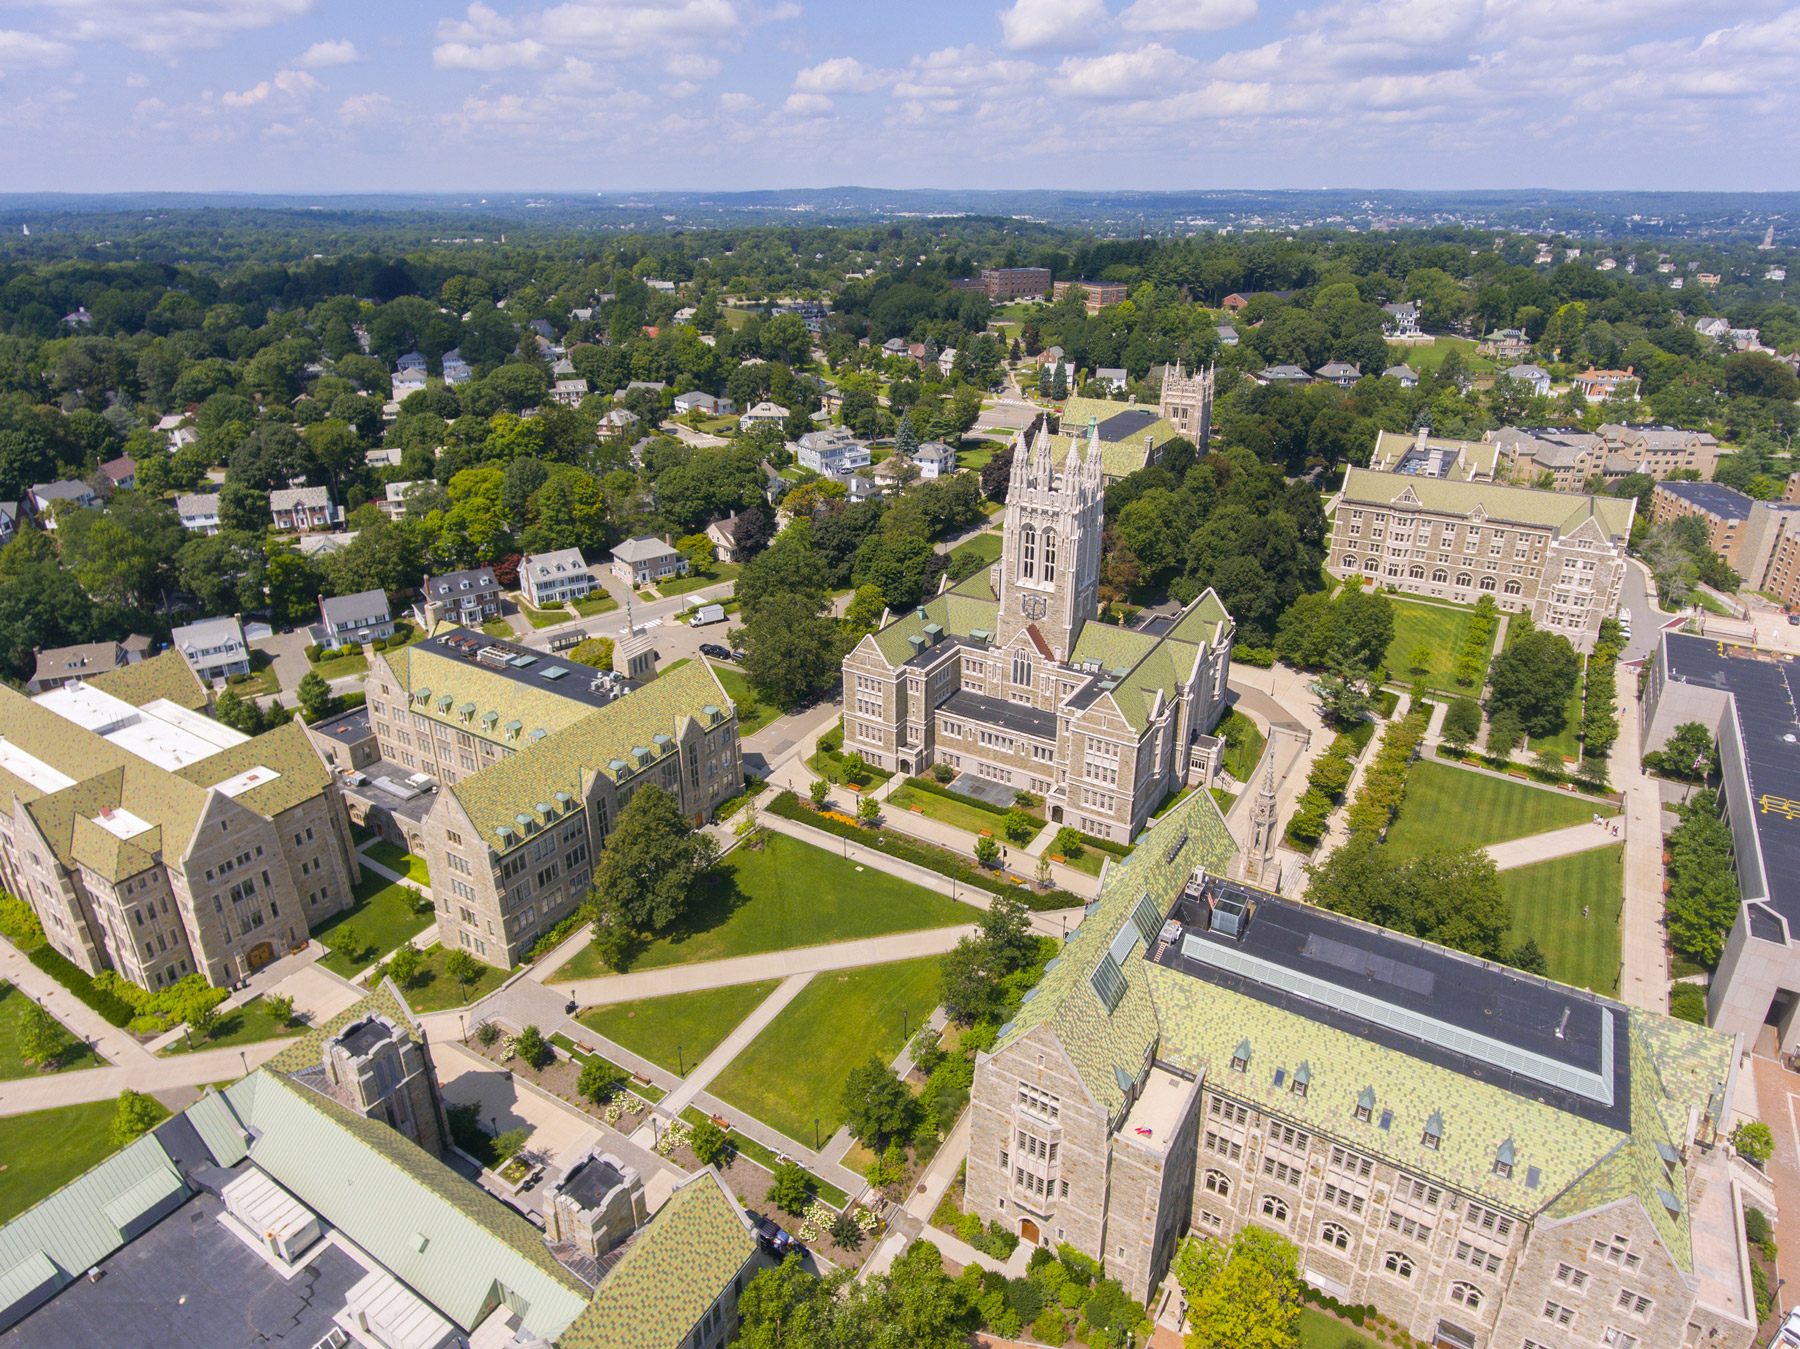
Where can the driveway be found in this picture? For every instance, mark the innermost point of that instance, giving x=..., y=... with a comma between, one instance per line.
x=1646, y=617
x=289, y=651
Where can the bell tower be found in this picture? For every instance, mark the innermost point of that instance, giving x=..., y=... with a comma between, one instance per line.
x=1048, y=576
x=1186, y=403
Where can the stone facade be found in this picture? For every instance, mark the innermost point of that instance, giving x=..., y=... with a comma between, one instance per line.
x=1186, y=403
x=1561, y=561
x=1008, y=677
x=383, y=1071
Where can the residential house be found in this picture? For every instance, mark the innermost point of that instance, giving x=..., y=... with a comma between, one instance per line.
x=569, y=392
x=1282, y=374
x=542, y=328
x=1709, y=278
x=859, y=488
x=65, y=664
x=456, y=369
x=1504, y=344
x=763, y=412
x=698, y=400
x=9, y=521
x=1404, y=373
x=645, y=560
x=393, y=502
x=469, y=597
x=1713, y=327
x=946, y=359
x=655, y=386
x=199, y=512
x=322, y=545
x=831, y=451
x=1238, y=302
x=383, y=456
x=43, y=497
x=356, y=618
x=408, y=382
x=723, y=534
x=563, y=368
x=412, y=360
x=1228, y=335
x=1402, y=322
x=1775, y=274
x=618, y=422
x=1049, y=368
x=1112, y=376
x=1534, y=376
x=894, y=346
x=552, y=578
x=1599, y=385
x=120, y=473
x=299, y=509
x=79, y=317
x=935, y=460
x=1341, y=373
x=213, y=648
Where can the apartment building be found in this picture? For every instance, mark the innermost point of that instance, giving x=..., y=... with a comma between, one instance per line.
x=1015, y=283
x=154, y=841
x=1572, y=457
x=534, y=762
x=1559, y=558
x=1756, y=538
x=1007, y=679
x=1488, y=1158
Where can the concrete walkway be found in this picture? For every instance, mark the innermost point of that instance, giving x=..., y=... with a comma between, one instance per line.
x=732, y=1045
x=363, y=857
x=1577, y=838
x=923, y=1202
x=144, y=1073
x=1644, y=977
x=807, y=960
x=106, y=1039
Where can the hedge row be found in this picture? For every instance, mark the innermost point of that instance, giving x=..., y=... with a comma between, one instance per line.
x=938, y=789
x=1354, y=1312
x=1325, y=787
x=940, y=860
x=53, y=963
x=1385, y=782
x=1262, y=657
x=1478, y=642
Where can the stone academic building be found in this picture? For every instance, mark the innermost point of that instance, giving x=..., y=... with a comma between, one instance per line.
x=1008, y=679
x=1487, y=1157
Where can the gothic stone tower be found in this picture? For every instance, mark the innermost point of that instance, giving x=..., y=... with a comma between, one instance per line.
x=1186, y=403
x=1049, y=573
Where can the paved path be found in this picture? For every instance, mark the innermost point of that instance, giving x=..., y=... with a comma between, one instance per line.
x=363, y=857
x=732, y=1045
x=1644, y=975
x=1577, y=838
x=923, y=1202
x=752, y=969
x=110, y=1042
x=146, y=1074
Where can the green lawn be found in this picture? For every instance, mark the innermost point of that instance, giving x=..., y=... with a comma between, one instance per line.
x=543, y=618
x=1319, y=1331
x=47, y=1149
x=397, y=859
x=788, y=895
x=1447, y=806
x=597, y=603
x=714, y=575
x=1547, y=899
x=985, y=546
x=498, y=627
x=1564, y=741
x=244, y=1025
x=1423, y=359
x=339, y=667
x=974, y=454
x=433, y=990
x=678, y=1031
x=1244, y=744
x=794, y=1071
x=383, y=917
x=72, y=1054
x=1438, y=627
x=958, y=814
x=262, y=676
x=753, y=712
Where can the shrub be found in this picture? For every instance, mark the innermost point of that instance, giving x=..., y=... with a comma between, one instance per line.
x=314, y=652
x=943, y=772
x=1050, y=1326
x=599, y=1079
x=1756, y=1226
x=137, y=1115
x=707, y=1142
x=1261, y=657
x=1026, y=1297
x=791, y=1189
x=403, y=965
x=555, y=937
x=968, y=1226
x=19, y=923
x=487, y=1032
x=997, y=1241
x=1753, y=1141
x=53, y=963
x=1067, y=843
x=1687, y=1002
x=531, y=1047
x=845, y=1232
x=1018, y=826
x=279, y=1006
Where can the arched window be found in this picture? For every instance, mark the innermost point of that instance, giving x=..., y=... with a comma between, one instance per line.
x=1334, y=1234
x=1027, y=553
x=1049, y=556
x=1466, y=1295
x=1274, y=1208
x=1440, y=576
x=1463, y=579
x=1373, y=564
x=1512, y=587
x=1399, y=1264
x=1416, y=572
x=1350, y=561
x=1219, y=1183
x=1487, y=583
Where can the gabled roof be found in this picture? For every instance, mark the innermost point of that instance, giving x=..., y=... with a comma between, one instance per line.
x=353, y=608
x=1560, y=512
x=287, y=498
x=642, y=548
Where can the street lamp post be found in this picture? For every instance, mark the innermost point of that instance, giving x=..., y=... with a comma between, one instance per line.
x=244, y=1059
x=815, y=1135
x=680, y=1062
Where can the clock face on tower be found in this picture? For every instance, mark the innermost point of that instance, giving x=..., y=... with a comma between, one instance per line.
x=1033, y=607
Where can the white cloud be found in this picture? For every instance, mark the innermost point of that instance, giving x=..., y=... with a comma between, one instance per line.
x=322, y=54
x=136, y=80
x=840, y=75
x=287, y=84
x=485, y=39
x=362, y=108
x=158, y=26
x=30, y=51
x=735, y=104
x=1187, y=16
x=1053, y=25
x=691, y=66
x=1124, y=74
x=807, y=105
x=489, y=55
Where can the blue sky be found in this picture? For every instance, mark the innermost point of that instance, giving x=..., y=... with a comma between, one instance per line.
x=612, y=95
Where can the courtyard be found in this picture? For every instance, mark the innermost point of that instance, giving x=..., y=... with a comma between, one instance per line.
x=1570, y=907
x=1446, y=806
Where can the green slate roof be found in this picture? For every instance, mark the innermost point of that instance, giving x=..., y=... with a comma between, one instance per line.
x=453, y=682
x=671, y=1274
x=1118, y=457
x=1561, y=512
x=165, y=676
x=564, y=760
x=284, y=749
x=1102, y=1045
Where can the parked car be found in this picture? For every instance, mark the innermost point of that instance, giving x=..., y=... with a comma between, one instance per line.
x=714, y=650
x=738, y=656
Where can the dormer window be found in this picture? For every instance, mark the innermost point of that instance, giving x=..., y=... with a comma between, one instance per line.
x=1434, y=1132
x=1504, y=1157
x=1240, y=1058
x=1365, y=1105
x=1302, y=1079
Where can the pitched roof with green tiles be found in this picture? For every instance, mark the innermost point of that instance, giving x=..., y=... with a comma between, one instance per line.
x=565, y=760
x=286, y=750
x=454, y=684
x=1561, y=512
x=672, y=1273
x=1102, y=1045
x=1118, y=456
x=165, y=676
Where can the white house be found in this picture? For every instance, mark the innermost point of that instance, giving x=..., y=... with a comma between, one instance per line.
x=411, y=361
x=44, y=494
x=697, y=400
x=393, y=504
x=763, y=412
x=356, y=618
x=1407, y=376
x=1402, y=320
x=723, y=534
x=456, y=369
x=831, y=451
x=302, y=508
x=551, y=578
x=407, y=382
x=1534, y=375
x=646, y=560
x=935, y=460
x=213, y=648
x=1112, y=376
x=199, y=511
x=569, y=392
x=1228, y=335
x=1341, y=373
x=946, y=359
